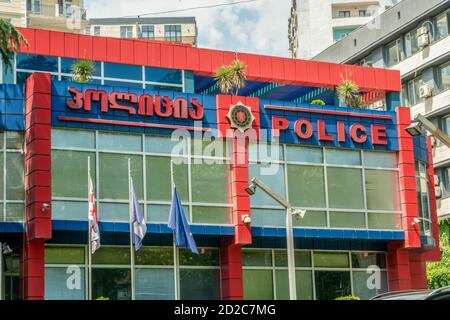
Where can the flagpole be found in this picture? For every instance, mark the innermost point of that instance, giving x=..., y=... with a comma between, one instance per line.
x=89, y=236
x=130, y=181
x=175, y=256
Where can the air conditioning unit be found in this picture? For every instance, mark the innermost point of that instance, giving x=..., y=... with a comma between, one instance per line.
x=438, y=192
x=425, y=91
x=423, y=37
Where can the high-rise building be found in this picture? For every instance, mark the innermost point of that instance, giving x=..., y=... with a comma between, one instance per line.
x=178, y=29
x=412, y=37
x=321, y=23
x=57, y=15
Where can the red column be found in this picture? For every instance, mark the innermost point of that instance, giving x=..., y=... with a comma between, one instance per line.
x=37, y=184
x=408, y=195
x=231, y=270
x=399, y=274
x=418, y=271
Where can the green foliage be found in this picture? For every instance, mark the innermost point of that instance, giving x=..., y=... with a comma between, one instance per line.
x=438, y=273
x=82, y=71
x=102, y=298
x=10, y=40
x=349, y=92
x=318, y=102
x=231, y=78
x=348, y=298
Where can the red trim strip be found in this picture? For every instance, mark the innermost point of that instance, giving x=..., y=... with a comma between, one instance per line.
x=336, y=113
x=131, y=124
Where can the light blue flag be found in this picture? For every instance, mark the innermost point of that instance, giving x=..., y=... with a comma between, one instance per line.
x=178, y=223
x=139, y=226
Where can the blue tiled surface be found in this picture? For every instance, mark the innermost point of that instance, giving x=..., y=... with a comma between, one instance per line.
x=11, y=227
x=12, y=107
x=421, y=148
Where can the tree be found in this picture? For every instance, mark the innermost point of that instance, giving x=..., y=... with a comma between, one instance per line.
x=231, y=78
x=438, y=273
x=349, y=92
x=82, y=70
x=10, y=40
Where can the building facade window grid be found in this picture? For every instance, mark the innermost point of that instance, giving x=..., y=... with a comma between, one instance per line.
x=190, y=160
x=172, y=33
x=328, y=209
x=312, y=268
x=147, y=32
x=126, y=32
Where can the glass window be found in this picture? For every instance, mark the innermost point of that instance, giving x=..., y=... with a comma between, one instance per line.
x=413, y=90
x=119, y=142
x=378, y=220
x=159, y=178
x=71, y=166
x=267, y=152
x=268, y=217
x=380, y=159
x=122, y=71
x=1, y=179
x=443, y=77
x=64, y=255
x=331, y=259
x=15, y=212
x=258, y=284
x=345, y=188
x=393, y=53
x=147, y=32
x=304, y=285
x=154, y=284
x=155, y=256
x=302, y=258
x=257, y=258
x=114, y=284
x=411, y=43
x=112, y=255
x=14, y=176
x=272, y=175
x=207, y=257
x=165, y=145
x=113, y=211
x=332, y=284
x=343, y=14
x=442, y=25
x=36, y=62
x=213, y=215
x=163, y=75
x=172, y=33
x=354, y=220
x=217, y=186
x=114, y=175
x=304, y=154
x=64, y=283
x=160, y=213
x=66, y=66
x=123, y=85
x=73, y=139
x=126, y=31
x=69, y=210
x=343, y=157
x=14, y=140
x=199, y=284
x=366, y=285
x=366, y=259
x=382, y=190
x=96, y=30
x=312, y=219
x=306, y=186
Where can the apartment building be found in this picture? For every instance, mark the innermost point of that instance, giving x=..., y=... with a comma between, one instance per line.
x=57, y=15
x=412, y=37
x=179, y=29
x=321, y=23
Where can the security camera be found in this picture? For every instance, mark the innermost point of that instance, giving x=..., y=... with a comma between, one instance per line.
x=6, y=249
x=45, y=206
x=246, y=219
x=416, y=221
x=298, y=213
x=251, y=189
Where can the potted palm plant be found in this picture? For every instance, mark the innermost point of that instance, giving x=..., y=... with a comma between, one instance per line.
x=10, y=40
x=82, y=70
x=349, y=93
x=231, y=78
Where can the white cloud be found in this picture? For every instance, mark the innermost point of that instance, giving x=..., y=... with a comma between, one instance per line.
x=258, y=27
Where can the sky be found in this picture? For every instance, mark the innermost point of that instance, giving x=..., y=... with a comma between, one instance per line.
x=259, y=26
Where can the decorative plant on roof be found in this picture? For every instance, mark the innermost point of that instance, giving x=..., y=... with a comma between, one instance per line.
x=318, y=102
x=231, y=78
x=82, y=70
x=349, y=92
x=348, y=298
x=10, y=40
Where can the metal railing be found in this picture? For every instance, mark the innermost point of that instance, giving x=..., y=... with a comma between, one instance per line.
x=353, y=15
x=57, y=11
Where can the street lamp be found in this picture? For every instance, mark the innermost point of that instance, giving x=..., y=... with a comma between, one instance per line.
x=420, y=122
x=290, y=211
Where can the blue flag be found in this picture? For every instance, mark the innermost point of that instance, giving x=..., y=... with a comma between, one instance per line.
x=178, y=223
x=139, y=226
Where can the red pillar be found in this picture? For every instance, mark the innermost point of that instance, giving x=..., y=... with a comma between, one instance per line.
x=231, y=270
x=37, y=184
x=399, y=274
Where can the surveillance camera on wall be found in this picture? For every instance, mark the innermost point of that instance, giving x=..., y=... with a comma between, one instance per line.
x=6, y=249
x=416, y=221
x=298, y=213
x=251, y=189
x=246, y=219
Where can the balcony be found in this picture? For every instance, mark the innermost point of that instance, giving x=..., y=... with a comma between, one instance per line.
x=54, y=17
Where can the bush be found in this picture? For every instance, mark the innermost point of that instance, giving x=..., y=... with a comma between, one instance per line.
x=318, y=102
x=348, y=298
x=438, y=273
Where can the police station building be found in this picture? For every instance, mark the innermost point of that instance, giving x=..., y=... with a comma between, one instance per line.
x=367, y=186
